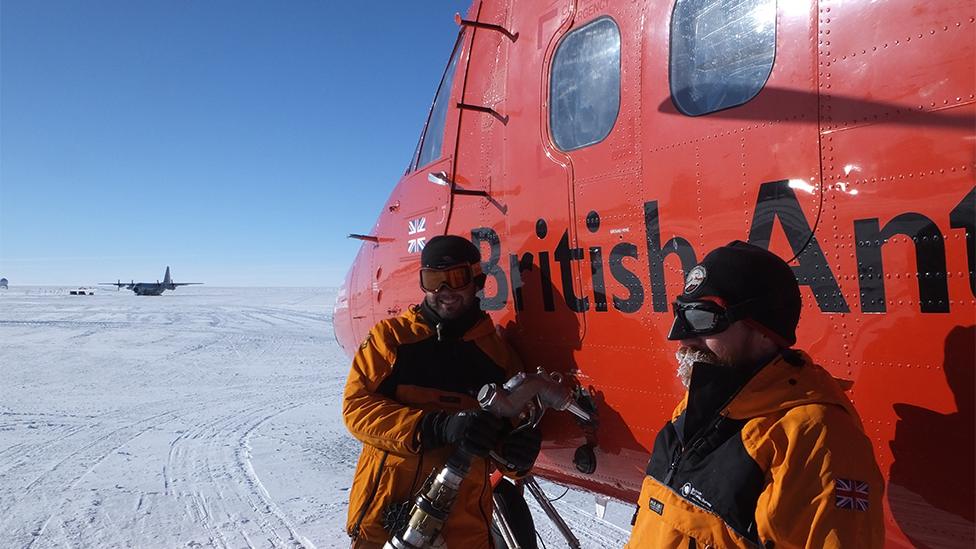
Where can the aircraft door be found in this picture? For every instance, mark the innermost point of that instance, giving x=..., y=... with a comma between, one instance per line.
x=594, y=122
x=540, y=254
x=418, y=207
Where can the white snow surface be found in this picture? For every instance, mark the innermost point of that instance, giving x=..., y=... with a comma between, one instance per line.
x=205, y=417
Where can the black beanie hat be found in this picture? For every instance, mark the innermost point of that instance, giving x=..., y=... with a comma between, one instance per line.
x=446, y=250
x=740, y=272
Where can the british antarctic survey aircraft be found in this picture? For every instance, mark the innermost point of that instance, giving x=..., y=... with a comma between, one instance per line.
x=595, y=149
x=151, y=288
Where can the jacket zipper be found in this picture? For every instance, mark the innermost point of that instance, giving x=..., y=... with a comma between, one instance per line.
x=369, y=500
x=696, y=443
x=699, y=438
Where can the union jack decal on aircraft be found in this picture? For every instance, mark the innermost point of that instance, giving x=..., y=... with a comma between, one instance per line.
x=415, y=245
x=415, y=226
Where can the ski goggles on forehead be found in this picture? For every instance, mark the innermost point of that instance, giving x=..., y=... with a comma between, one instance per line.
x=702, y=318
x=455, y=277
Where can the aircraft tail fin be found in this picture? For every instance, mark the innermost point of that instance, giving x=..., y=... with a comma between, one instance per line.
x=166, y=278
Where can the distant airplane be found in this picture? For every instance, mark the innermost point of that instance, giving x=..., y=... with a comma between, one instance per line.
x=151, y=288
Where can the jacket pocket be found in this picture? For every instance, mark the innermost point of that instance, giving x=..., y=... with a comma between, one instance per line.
x=366, y=484
x=385, y=478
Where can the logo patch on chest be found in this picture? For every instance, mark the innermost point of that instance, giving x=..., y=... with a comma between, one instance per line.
x=656, y=506
x=689, y=492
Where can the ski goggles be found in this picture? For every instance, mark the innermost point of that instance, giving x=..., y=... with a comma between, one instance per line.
x=454, y=277
x=702, y=318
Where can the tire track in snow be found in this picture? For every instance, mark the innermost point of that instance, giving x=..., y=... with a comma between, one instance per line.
x=103, y=497
x=37, y=476
x=17, y=454
x=31, y=507
x=66, y=323
x=209, y=471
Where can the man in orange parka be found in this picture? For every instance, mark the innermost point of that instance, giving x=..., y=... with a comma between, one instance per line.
x=411, y=399
x=765, y=450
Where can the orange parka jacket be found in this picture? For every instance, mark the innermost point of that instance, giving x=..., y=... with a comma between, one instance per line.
x=783, y=463
x=401, y=371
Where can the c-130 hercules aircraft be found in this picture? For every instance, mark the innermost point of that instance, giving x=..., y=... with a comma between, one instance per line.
x=151, y=288
x=596, y=149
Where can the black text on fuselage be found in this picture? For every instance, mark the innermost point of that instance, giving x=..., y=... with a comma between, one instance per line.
x=776, y=200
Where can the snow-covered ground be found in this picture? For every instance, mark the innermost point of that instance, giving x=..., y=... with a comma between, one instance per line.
x=205, y=417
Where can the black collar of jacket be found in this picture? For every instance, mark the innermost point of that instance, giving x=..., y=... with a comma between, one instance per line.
x=452, y=328
x=712, y=387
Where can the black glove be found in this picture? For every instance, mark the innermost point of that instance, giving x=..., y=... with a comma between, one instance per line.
x=474, y=431
x=521, y=448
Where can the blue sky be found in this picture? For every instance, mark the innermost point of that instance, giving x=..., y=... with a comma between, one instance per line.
x=237, y=141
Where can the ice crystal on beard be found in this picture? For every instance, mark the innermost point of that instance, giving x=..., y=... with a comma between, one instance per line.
x=687, y=357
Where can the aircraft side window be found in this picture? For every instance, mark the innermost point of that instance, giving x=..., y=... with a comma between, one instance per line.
x=722, y=52
x=416, y=152
x=432, y=138
x=584, y=89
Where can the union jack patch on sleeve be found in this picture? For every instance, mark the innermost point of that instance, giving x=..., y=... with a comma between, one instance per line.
x=851, y=494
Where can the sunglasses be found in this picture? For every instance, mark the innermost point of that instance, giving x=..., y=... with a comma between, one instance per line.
x=702, y=318
x=455, y=277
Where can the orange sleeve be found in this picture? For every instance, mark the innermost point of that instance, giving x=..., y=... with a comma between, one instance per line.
x=371, y=417
x=818, y=456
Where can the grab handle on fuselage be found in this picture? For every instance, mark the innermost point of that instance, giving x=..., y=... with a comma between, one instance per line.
x=438, y=178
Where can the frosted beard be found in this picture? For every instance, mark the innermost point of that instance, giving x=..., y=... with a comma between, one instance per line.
x=687, y=357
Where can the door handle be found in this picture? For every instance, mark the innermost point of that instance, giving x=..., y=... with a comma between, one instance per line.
x=438, y=178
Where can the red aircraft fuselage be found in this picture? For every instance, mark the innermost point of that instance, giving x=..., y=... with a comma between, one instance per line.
x=595, y=150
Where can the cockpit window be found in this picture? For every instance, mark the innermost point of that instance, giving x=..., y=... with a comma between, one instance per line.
x=432, y=138
x=584, y=92
x=722, y=52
